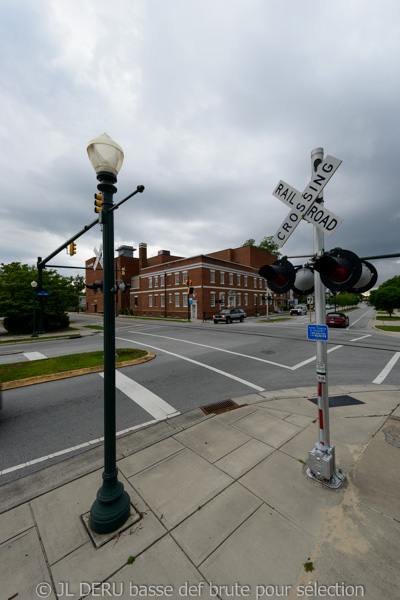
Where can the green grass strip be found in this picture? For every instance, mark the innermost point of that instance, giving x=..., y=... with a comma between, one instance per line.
x=389, y=327
x=59, y=364
x=387, y=318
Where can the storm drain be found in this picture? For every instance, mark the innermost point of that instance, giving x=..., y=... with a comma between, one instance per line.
x=336, y=401
x=220, y=407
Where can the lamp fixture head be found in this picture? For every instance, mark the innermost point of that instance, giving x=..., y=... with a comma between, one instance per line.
x=105, y=154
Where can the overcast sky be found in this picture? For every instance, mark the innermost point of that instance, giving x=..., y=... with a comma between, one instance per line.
x=213, y=102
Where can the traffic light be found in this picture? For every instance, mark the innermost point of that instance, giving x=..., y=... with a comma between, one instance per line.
x=98, y=202
x=123, y=271
x=97, y=285
x=280, y=275
x=72, y=248
x=189, y=286
x=343, y=270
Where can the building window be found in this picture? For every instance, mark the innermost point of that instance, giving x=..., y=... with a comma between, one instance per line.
x=222, y=277
x=245, y=280
x=156, y=281
x=222, y=298
x=162, y=280
x=246, y=299
x=176, y=278
x=150, y=301
x=185, y=300
x=150, y=282
x=239, y=280
x=255, y=282
x=170, y=298
x=162, y=300
x=176, y=300
x=239, y=299
x=260, y=282
x=212, y=299
x=184, y=276
x=230, y=278
x=212, y=276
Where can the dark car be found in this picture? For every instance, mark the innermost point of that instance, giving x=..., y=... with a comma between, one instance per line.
x=298, y=310
x=228, y=315
x=337, y=319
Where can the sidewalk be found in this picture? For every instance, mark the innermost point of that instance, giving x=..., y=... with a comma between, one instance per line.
x=226, y=508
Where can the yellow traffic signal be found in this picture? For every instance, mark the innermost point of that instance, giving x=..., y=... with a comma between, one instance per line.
x=98, y=202
x=72, y=248
x=123, y=271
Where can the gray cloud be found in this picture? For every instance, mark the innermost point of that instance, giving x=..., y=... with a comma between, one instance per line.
x=213, y=103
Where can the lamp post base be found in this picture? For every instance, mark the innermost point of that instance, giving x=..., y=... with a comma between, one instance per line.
x=112, y=506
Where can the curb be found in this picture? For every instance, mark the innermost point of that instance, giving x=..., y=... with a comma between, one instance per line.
x=10, y=385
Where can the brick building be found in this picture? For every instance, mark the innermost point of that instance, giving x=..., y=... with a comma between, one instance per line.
x=158, y=285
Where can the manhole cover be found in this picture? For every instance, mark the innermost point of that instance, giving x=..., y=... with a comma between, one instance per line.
x=220, y=407
x=335, y=401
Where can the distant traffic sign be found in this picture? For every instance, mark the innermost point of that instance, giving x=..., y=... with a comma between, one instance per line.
x=43, y=293
x=317, y=332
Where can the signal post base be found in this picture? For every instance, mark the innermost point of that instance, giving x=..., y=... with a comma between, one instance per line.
x=321, y=466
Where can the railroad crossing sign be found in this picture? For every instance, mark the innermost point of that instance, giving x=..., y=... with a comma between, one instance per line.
x=99, y=257
x=304, y=205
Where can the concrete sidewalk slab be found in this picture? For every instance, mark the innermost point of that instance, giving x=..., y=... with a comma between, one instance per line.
x=209, y=527
x=266, y=550
x=175, y=487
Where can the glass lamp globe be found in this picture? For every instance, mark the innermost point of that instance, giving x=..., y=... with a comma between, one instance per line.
x=105, y=154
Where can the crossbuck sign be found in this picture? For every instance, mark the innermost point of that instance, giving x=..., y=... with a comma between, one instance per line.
x=304, y=206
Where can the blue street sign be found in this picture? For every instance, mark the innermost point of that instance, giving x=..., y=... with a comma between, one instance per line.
x=317, y=332
x=43, y=293
x=190, y=301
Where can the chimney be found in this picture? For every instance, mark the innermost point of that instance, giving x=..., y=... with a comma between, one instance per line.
x=142, y=255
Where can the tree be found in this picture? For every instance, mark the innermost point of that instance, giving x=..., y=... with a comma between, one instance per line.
x=16, y=298
x=386, y=297
x=265, y=244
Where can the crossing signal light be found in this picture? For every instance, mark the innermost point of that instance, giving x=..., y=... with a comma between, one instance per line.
x=343, y=270
x=72, y=249
x=304, y=280
x=97, y=285
x=124, y=287
x=280, y=275
x=98, y=202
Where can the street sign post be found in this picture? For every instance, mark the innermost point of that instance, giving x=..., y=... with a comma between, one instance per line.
x=309, y=206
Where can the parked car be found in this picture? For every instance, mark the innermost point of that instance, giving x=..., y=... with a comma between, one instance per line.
x=299, y=310
x=228, y=315
x=337, y=319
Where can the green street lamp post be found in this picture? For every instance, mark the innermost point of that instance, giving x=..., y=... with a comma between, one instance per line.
x=112, y=507
x=34, y=286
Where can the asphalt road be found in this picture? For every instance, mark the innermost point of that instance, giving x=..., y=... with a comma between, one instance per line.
x=196, y=364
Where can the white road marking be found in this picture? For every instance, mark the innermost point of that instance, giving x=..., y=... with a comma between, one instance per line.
x=385, y=372
x=368, y=311
x=269, y=362
x=34, y=355
x=361, y=338
x=199, y=364
x=305, y=362
x=73, y=448
x=154, y=405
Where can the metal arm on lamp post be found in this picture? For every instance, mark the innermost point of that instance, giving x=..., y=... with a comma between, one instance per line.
x=111, y=508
